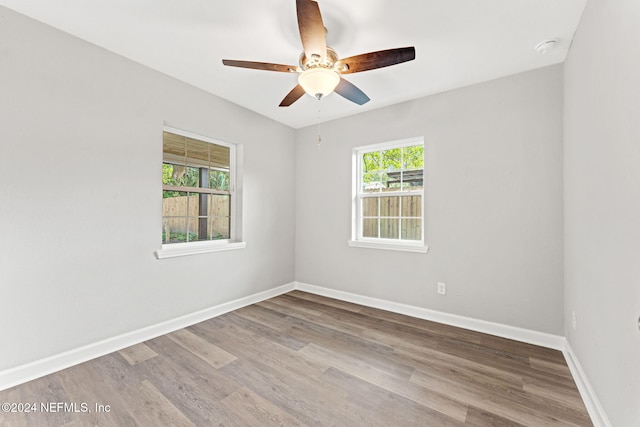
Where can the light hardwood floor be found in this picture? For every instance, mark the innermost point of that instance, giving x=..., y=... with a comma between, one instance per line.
x=301, y=359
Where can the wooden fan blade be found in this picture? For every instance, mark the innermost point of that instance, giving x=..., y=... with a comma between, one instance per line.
x=351, y=92
x=379, y=59
x=261, y=66
x=312, y=31
x=295, y=94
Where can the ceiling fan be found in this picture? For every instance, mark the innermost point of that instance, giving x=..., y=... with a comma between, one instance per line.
x=320, y=68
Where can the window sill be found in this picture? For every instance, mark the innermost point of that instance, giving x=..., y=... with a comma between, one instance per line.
x=402, y=247
x=196, y=248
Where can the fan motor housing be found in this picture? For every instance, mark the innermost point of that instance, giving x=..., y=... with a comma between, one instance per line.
x=316, y=61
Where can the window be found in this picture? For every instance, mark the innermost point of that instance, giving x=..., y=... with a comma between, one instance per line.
x=198, y=197
x=389, y=196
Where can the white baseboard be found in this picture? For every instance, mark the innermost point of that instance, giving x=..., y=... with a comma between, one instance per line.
x=39, y=368
x=595, y=409
x=555, y=342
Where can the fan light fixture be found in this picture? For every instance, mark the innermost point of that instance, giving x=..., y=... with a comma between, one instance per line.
x=319, y=82
x=321, y=69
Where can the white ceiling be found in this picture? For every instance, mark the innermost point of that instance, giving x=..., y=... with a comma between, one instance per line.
x=458, y=43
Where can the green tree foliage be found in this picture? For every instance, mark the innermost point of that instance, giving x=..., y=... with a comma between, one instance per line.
x=371, y=162
x=392, y=160
x=219, y=180
x=413, y=157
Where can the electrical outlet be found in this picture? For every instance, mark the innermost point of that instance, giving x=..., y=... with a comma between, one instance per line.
x=574, y=321
x=442, y=288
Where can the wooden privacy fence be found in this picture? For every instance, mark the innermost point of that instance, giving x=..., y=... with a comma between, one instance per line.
x=181, y=214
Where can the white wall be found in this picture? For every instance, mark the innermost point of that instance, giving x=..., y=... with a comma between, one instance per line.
x=80, y=199
x=493, y=188
x=602, y=203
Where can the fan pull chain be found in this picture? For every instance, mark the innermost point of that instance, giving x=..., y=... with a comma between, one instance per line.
x=319, y=136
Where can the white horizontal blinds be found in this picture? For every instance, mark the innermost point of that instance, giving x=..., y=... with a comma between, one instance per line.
x=391, y=192
x=196, y=189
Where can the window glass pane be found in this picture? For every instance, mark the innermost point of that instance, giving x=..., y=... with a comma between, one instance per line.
x=218, y=228
x=219, y=180
x=174, y=213
x=411, y=229
x=182, y=176
x=371, y=183
x=197, y=153
x=190, y=178
x=193, y=223
x=173, y=146
x=370, y=206
x=371, y=162
x=392, y=159
x=393, y=180
x=412, y=180
x=219, y=205
x=389, y=228
x=370, y=227
x=390, y=206
x=219, y=211
x=413, y=157
x=171, y=173
x=219, y=156
x=412, y=206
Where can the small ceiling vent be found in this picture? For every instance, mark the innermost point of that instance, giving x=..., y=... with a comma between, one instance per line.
x=545, y=46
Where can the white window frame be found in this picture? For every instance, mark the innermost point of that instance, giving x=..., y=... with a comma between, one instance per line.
x=357, y=240
x=235, y=189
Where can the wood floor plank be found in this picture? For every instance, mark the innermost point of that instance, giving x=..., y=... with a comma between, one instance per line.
x=310, y=407
x=478, y=397
x=384, y=405
x=376, y=353
x=137, y=353
x=186, y=374
x=568, y=397
x=342, y=305
x=559, y=369
x=440, y=329
x=521, y=348
x=278, y=320
x=271, y=325
x=149, y=407
x=361, y=369
x=231, y=334
x=255, y=411
x=316, y=313
x=508, y=403
x=479, y=418
x=303, y=359
x=210, y=353
x=14, y=396
x=82, y=383
x=461, y=370
x=304, y=329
